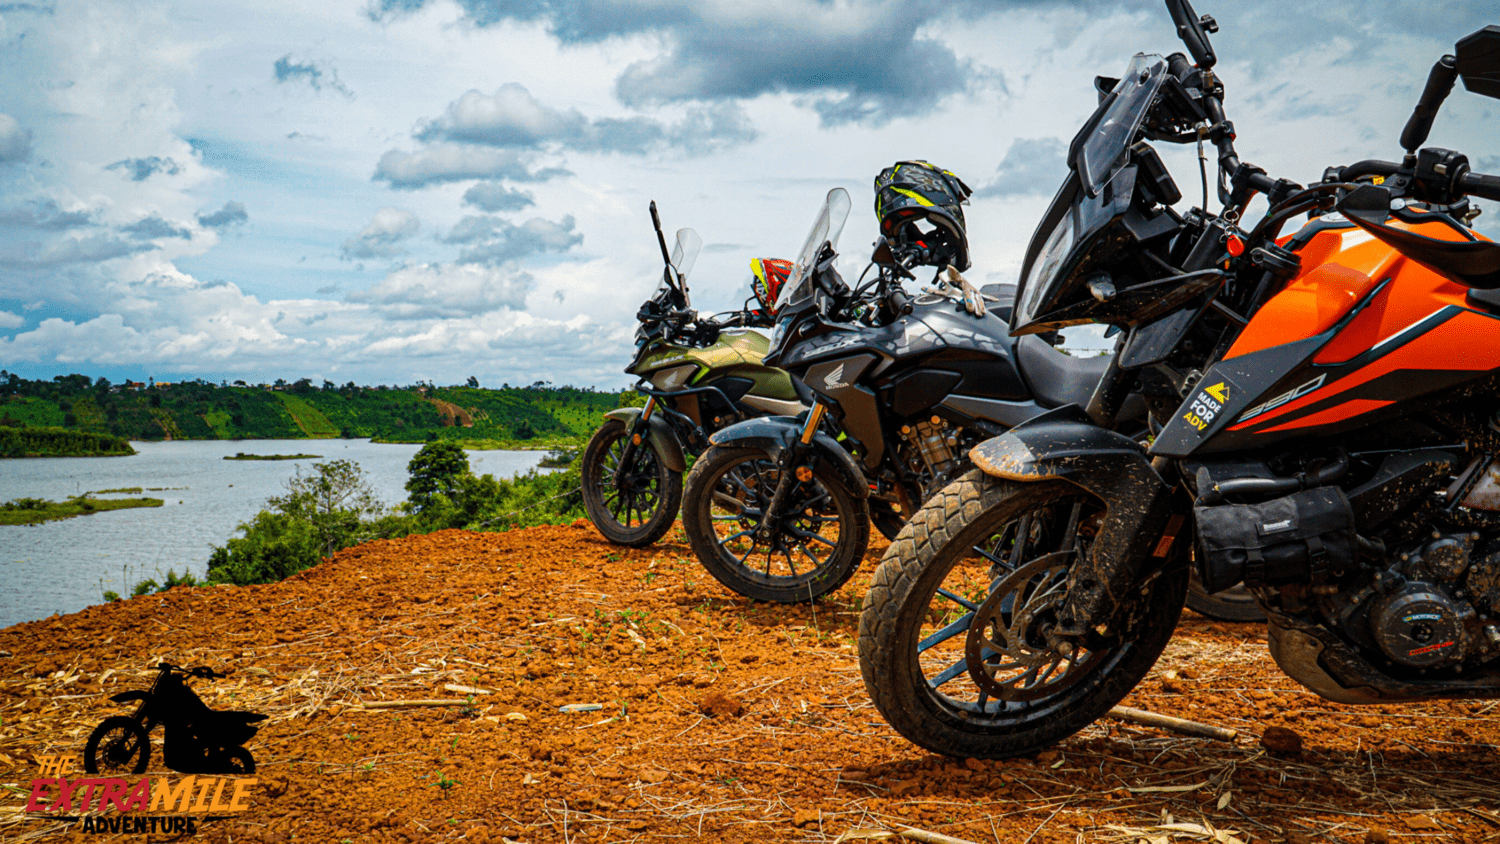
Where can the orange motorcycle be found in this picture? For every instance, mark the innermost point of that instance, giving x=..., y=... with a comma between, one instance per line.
x=1326, y=410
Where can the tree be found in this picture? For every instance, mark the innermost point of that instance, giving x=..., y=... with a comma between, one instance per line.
x=333, y=497
x=438, y=469
x=473, y=382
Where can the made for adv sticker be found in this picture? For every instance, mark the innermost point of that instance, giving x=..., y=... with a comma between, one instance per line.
x=1207, y=405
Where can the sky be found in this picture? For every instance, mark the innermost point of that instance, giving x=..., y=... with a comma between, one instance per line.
x=391, y=191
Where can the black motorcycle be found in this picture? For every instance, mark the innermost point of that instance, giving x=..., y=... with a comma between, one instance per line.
x=198, y=740
x=779, y=508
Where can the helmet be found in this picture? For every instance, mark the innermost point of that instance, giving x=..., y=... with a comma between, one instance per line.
x=919, y=209
x=770, y=274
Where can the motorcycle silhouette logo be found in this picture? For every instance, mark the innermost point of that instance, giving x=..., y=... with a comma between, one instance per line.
x=197, y=740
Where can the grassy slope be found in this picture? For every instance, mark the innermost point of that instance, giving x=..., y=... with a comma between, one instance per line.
x=311, y=420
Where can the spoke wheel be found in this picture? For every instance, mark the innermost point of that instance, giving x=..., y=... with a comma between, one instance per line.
x=954, y=637
x=821, y=540
x=119, y=745
x=639, y=509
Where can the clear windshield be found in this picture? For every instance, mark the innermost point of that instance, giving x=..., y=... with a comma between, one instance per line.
x=827, y=227
x=1102, y=150
x=685, y=253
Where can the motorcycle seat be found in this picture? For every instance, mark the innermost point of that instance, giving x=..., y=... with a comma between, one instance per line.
x=1056, y=378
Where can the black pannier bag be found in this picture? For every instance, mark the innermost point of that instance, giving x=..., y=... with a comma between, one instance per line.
x=1305, y=536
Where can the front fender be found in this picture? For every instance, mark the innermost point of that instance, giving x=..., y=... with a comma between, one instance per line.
x=775, y=434
x=663, y=440
x=126, y=697
x=1140, y=523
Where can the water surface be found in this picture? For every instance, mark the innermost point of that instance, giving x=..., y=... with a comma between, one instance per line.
x=65, y=566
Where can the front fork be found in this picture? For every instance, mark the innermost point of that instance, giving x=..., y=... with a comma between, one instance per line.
x=790, y=471
x=637, y=436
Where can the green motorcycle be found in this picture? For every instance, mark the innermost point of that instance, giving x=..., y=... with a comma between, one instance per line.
x=699, y=374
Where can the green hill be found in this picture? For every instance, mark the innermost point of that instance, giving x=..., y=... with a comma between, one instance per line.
x=536, y=416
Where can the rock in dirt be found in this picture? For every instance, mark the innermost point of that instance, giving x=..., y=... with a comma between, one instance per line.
x=1378, y=835
x=1281, y=741
x=720, y=705
x=805, y=818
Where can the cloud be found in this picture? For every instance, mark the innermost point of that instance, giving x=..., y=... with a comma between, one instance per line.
x=382, y=237
x=492, y=241
x=91, y=249
x=10, y=320
x=232, y=213
x=857, y=61
x=149, y=228
x=457, y=163
x=15, y=140
x=312, y=73
x=141, y=169
x=446, y=291
x=512, y=117
x=44, y=214
x=493, y=196
x=1031, y=167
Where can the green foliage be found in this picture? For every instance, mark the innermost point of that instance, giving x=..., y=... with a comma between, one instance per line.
x=59, y=442
x=328, y=508
x=539, y=415
x=437, y=469
x=34, y=511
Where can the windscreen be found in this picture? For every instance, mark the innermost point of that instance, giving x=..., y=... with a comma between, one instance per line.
x=827, y=226
x=1101, y=150
x=685, y=253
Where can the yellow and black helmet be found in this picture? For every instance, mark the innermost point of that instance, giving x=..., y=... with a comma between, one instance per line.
x=919, y=207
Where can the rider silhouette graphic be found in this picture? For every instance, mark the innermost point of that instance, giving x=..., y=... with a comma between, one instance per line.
x=198, y=740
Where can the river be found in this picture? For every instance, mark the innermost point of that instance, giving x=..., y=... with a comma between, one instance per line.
x=66, y=565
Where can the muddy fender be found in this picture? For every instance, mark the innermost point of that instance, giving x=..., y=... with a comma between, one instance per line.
x=658, y=431
x=774, y=434
x=1142, y=518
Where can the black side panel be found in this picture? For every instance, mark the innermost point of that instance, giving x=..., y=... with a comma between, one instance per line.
x=734, y=387
x=1151, y=343
x=920, y=389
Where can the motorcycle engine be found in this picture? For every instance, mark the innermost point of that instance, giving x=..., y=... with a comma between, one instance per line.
x=1435, y=607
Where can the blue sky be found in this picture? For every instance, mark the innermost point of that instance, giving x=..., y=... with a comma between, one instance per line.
x=399, y=190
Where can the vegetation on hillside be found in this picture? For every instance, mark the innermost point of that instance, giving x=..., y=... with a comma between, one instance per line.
x=538, y=416
x=330, y=506
x=34, y=441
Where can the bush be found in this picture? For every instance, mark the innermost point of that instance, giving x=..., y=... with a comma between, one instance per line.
x=323, y=511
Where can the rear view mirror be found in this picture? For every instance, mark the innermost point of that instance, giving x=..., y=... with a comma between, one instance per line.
x=1479, y=61
x=883, y=254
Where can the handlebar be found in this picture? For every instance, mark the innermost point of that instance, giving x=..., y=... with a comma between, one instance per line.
x=1480, y=185
x=899, y=302
x=200, y=671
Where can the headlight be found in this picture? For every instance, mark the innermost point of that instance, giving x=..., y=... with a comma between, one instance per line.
x=1037, y=286
x=778, y=334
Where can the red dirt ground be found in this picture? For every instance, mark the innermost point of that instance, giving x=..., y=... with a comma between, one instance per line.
x=721, y=719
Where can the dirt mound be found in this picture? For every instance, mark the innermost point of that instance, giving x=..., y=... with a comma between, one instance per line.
x=649, y=656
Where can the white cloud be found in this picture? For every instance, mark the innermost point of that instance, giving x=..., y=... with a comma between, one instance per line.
x=383, y=236
x=429, y=291
x=10, y=320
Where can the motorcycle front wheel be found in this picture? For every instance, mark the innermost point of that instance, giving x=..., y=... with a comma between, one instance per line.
x=822, y=538
x=119, y=745
x=953, y=640
x=640, y=508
